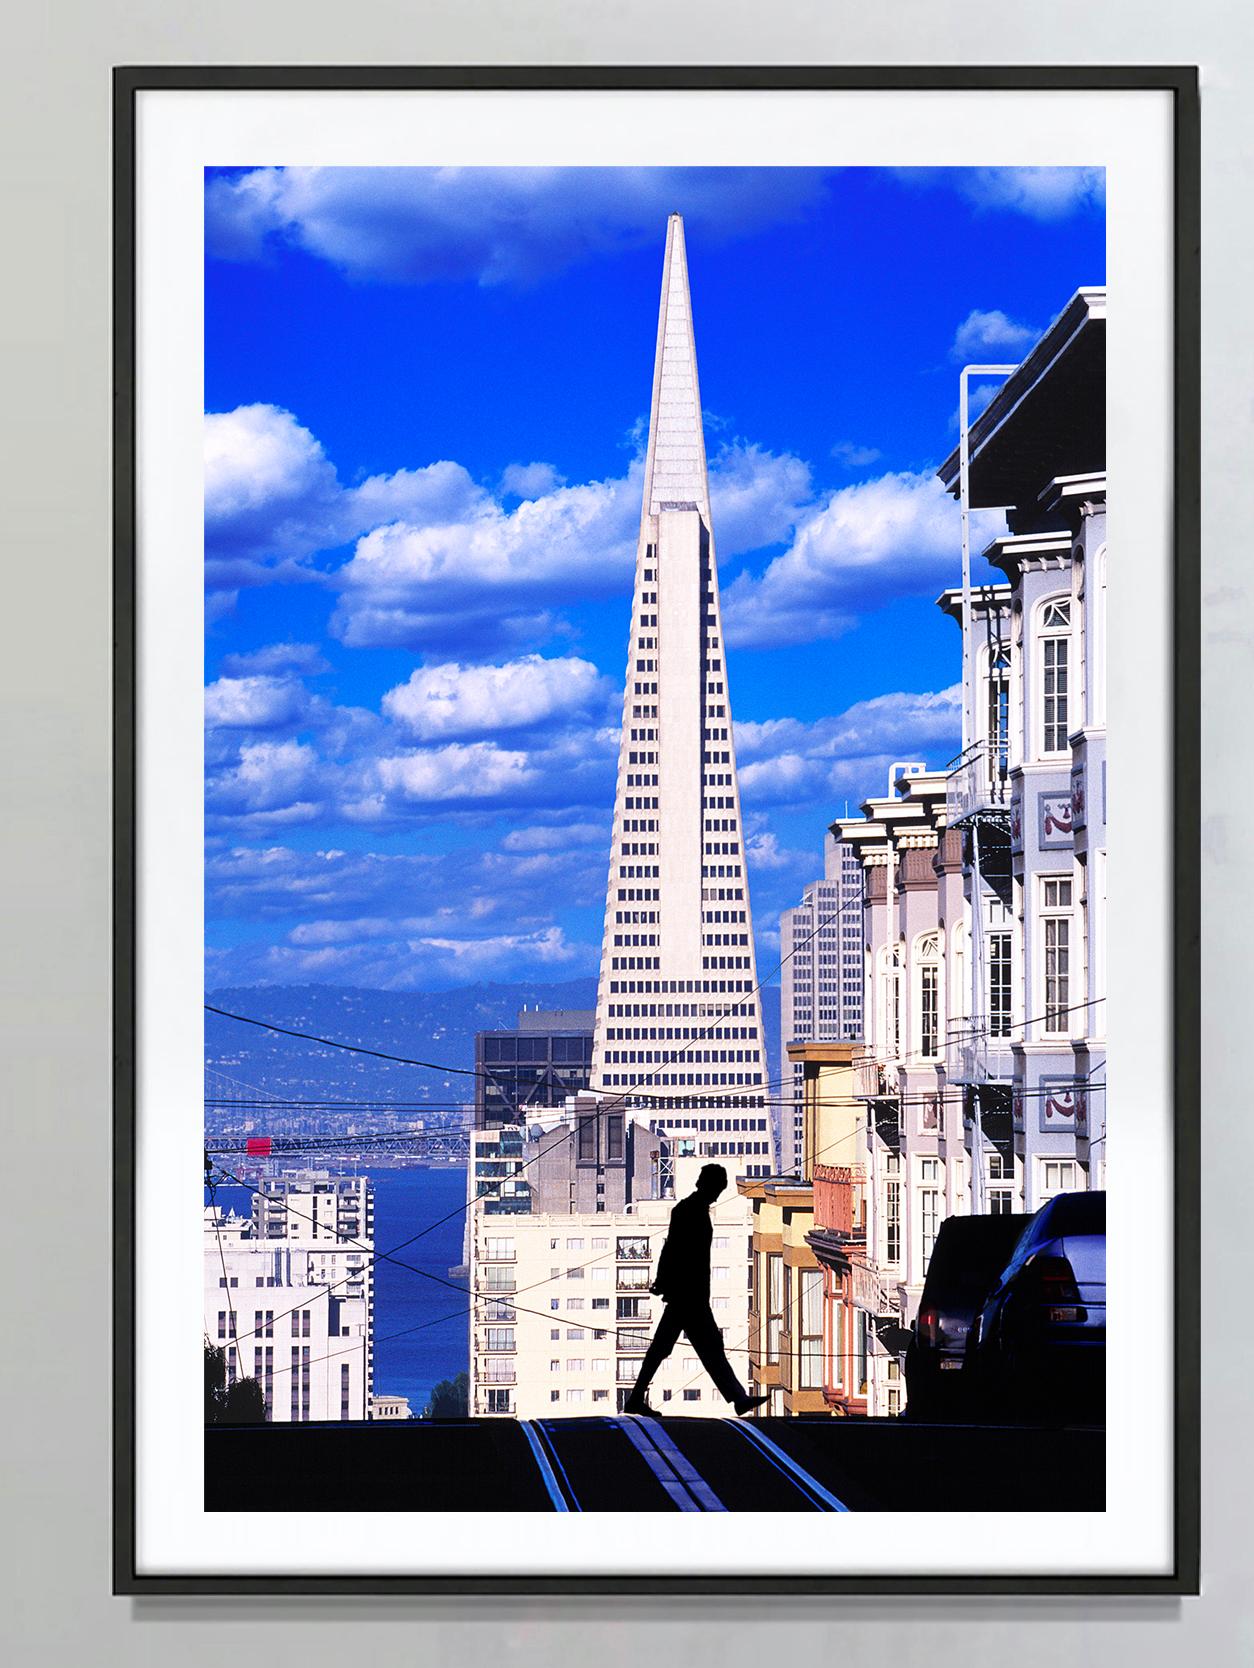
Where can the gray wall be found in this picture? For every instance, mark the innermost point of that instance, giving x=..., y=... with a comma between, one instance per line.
x=54, y=329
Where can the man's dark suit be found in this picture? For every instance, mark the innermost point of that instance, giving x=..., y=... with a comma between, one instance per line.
x=683, y=1280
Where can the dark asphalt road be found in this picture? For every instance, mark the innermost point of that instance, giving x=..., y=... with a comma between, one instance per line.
x=647, y=1465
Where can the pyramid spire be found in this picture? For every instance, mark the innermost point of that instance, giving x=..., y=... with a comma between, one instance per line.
x=675, y=470
x=678, y=1035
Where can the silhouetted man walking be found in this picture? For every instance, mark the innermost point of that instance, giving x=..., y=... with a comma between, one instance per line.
x=683, y=1282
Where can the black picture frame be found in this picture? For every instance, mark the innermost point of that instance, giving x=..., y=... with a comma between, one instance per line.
x=1182, y=83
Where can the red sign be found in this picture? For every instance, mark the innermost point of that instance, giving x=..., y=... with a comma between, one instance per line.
x=257, y=1146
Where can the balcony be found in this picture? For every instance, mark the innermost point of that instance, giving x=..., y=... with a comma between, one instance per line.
x=973, y=1056
x=498, y=1372
x=634, y=1279
x=871, y=1077
x=978, y=785
x=838, y=1199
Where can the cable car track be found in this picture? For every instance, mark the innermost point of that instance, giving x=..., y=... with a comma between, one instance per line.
x=668, y=1467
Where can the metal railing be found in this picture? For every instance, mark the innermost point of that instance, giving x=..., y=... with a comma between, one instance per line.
x=872, y=1079
x=975, y=1054
x=977, y=781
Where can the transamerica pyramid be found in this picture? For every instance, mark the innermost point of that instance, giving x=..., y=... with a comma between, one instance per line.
x=678, y=1021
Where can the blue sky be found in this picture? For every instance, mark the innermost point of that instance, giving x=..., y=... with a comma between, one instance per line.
x=425, y=396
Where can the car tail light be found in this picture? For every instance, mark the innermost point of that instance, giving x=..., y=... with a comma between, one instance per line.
x=1056, y=1283
x=927, y=1329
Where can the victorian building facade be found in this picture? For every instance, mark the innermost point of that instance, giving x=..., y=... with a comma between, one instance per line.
x=982, y=1070
x=1029, y=792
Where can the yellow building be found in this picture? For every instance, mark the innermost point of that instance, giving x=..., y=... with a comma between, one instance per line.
x=804, y=1335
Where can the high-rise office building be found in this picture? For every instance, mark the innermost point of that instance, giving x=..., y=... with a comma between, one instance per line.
x=547, y=1056
x=820, y=945
x=678, y=1032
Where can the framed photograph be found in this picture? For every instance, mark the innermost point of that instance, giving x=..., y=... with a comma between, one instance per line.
x=638, y=995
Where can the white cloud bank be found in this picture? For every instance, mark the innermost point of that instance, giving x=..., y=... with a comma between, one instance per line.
x=450, y=700
x=490, y=225
x=892, y=536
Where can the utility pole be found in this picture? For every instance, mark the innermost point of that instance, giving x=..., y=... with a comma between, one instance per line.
x=970, y=769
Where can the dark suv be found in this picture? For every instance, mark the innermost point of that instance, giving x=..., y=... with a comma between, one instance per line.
x=1038, y=1349
x=969, y=1253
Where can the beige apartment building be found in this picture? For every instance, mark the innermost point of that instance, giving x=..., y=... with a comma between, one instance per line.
x=562, y=1311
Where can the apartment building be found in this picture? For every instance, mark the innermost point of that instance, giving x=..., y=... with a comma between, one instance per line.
x=1029, y=792
x=268, y=1307
x=985, y=884
x=563, y=1312
x=328, y=1223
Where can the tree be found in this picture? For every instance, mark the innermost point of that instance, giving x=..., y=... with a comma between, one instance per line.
x=215, y=1381
x=243, y=1403
x=450, y=1398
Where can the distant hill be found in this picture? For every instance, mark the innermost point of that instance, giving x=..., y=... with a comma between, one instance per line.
x=438, y=1026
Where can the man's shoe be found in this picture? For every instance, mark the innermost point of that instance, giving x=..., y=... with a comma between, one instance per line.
x=746, y=1404
x=640, y=1407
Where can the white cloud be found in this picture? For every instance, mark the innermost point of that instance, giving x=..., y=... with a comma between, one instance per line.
x=1039, y=193
x=272, y=495
x=530, y=480
x=257, y=703
x=785, y=761
x=378, y=960
x=764, y=852
x=270, y=783
x=304, y=659
x=992, y=336
x=463, y=773
x=440, y=565
x=423, y=888
x=453, y=700
x=895, y=535
x=431, y=586
x=557, y=837
x=756, y=497
x=493, y=225
x=853, y=456
x=785, y=779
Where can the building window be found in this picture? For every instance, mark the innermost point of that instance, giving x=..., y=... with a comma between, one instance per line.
x=500, y=1338
x=999, y=984
x=1055, y=640
x=614, y=1137
x=998, y=714
x=774, y=1304
x=837, y=1342
x=811, y=1329
x=892, y=1215
x=1001, y=1175
x=1056, y=947
x=931, y=1176
x=928, y=955
x=1058, y=1176
x=500, y=1401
